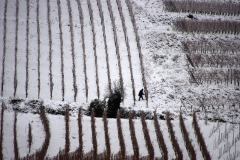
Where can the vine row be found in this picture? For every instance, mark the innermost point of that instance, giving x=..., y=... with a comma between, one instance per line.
x=133, y=137
x=83, y=46
x=1, y=133
x=27, y=48
x=129, y=6
x=38, y=49
x=50, y=48
x=61, y=47
x=4, y=44
x=16, y=48
x=160, y=139
x=115, y=42
x=193, y=6
x=200, y=139
x=176, y=147
x=128, y=47
x=120, y=136
x=187, y=140
x=72, y=50
x=147, y=137
x=105, y=43
x=94, y=45
x=208, y=26
x=15, y=142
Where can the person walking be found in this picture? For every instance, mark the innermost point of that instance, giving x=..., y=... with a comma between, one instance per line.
x=140, y=94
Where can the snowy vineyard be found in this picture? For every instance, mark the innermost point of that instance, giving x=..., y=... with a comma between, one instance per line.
x=69, y=50
x=33, y=136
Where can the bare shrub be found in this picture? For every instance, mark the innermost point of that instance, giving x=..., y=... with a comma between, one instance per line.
x=114, y=99
x=98, y=107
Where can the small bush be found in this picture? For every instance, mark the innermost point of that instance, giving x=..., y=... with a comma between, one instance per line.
x=98, y=107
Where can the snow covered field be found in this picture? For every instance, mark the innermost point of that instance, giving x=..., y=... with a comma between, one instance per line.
x=46, y=55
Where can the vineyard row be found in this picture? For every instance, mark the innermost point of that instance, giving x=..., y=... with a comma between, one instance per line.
x=115, y=42
x=93, y=154
x=80, y=12
x=212, y=47
x=212, y=104
x=193, y=6
x=208, y=26
x=128, y=47
x=217, y=75
x=105, y=43
x=215, y=60
x=94, y=45
x=138, y=46
x=51, y=42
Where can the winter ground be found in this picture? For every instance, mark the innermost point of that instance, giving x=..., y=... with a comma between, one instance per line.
x=166, y=70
